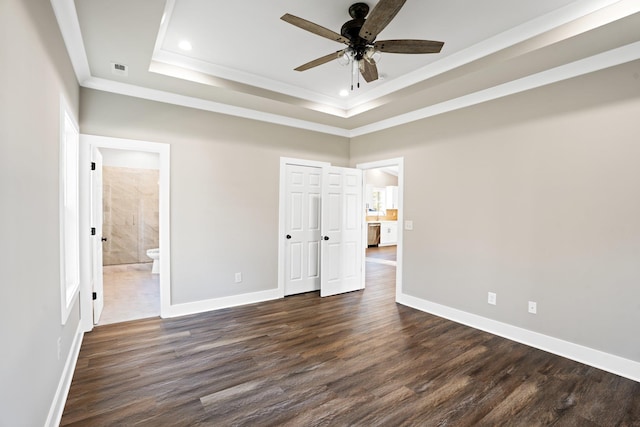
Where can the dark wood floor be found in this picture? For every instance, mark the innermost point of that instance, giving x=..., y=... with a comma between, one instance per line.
x=382, y=252
x=354, y=359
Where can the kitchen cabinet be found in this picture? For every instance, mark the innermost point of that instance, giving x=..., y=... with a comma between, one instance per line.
x=391, y=199
x=388, y=233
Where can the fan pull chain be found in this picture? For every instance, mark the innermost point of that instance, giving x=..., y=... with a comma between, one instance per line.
x=351, y=82
x=353, y=67
x=355, y=70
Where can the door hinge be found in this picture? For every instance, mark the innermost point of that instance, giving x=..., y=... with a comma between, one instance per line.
x=93, y=231
x=93, y=166
x=95, y=296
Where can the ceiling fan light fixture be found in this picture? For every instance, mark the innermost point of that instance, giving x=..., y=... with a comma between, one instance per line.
x=346, y=58
x=372, y=55
x=363, y=52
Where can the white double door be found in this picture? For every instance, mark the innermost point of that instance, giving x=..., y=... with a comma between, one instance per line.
x=323, y=230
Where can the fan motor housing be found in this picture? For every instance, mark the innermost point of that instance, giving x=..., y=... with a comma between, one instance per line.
x=358, y=10
x=351, y=29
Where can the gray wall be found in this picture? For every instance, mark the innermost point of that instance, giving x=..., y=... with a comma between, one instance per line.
x=534, y=197
x=35, y=71
x=224, y=187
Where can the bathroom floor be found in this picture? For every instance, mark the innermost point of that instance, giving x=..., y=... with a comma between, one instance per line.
x=130, y=292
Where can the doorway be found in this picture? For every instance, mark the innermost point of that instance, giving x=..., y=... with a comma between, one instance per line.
x=93, y=291
x=383, y=212
x=130, y=233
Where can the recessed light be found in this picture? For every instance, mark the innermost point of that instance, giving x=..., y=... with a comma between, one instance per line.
x=185, y=45
x=344, y=92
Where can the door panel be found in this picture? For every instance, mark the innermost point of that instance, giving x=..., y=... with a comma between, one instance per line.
x=314, y=257
x=302, y=224
x=96, y=244
x=341, y=265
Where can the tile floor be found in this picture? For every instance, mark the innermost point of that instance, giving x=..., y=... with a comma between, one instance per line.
x=130, y=292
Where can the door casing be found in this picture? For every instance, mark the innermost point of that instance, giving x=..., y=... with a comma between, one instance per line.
x=96, y=238
x=87, y=144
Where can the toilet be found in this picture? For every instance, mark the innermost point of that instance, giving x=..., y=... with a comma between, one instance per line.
x=154, y=254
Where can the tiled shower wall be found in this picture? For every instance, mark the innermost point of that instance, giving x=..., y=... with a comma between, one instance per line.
x=130, y=223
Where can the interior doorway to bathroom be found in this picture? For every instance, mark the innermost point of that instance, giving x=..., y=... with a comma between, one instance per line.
x=383, y=212
x=130, y=235
x=92, y=293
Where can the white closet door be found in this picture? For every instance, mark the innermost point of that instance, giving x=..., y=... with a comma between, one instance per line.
x=302, y=228
x=341, y=260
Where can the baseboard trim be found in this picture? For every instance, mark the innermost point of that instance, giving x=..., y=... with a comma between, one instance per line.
x=195, y=307
x=589, y=356
x=57, y=406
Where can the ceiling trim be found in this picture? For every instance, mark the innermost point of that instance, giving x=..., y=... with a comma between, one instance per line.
x=528, y=30
x=358, y=104
x=621, y=55
x=184, y=61
x=66, y=15
x=206, y=105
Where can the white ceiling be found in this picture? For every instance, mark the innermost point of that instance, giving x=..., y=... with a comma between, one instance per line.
x=243, y=55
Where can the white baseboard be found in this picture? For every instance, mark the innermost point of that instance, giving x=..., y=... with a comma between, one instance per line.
x=195, y=307
x=60, y=398
x=596, y=358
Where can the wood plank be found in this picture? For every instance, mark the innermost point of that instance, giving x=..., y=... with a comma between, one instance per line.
x=352, y=359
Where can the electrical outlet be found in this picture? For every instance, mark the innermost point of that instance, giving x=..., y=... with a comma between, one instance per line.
x=238, y=277
x=533, y=307
x=491, y=298
x=408, y=225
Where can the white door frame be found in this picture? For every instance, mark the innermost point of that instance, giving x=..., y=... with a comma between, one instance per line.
x=399, y=162
x=87, y=143
x=284, y=161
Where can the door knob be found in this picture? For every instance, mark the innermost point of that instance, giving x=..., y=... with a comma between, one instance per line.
x=288, y=236
x=104, y=239
x=326, y=237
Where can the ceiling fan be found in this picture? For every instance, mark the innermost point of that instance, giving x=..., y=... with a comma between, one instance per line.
x=359, y=34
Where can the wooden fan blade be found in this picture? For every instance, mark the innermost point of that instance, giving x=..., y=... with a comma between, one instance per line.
x=320, y=61
x=379, y=18
x=314, y=28
x=368, y=70
x=408, y=46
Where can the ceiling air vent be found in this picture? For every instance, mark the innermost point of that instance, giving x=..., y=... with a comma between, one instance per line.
x=119, y=69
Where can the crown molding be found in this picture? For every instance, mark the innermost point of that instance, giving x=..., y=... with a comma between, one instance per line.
x=66, y=15
x=206, y=105
x=628, y=53
x=519, y=34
